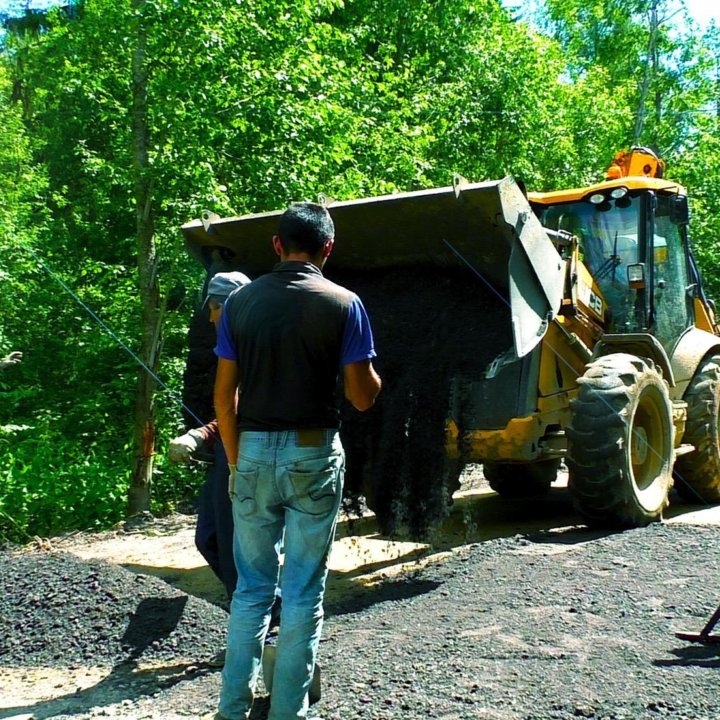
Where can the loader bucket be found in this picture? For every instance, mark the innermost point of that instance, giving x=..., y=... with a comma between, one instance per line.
x=488, y=228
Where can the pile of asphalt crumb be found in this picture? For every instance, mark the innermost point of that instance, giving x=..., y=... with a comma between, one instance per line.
x=57, y=610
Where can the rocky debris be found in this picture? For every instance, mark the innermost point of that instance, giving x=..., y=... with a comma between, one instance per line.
x=59, y=611
x=552, y=625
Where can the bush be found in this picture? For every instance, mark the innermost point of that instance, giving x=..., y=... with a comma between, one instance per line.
x=50, y=485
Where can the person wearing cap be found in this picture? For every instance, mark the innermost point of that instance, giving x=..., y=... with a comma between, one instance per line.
x=282, y=343
x=214, y=528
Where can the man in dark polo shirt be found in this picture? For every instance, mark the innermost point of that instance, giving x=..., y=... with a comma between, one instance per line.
x=283, y=340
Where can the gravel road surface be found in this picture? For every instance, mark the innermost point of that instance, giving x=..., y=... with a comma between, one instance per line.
x=550, y=622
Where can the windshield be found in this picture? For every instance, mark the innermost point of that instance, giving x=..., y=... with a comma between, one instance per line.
x=608, y=235
x=610, y=239
x=673, y=306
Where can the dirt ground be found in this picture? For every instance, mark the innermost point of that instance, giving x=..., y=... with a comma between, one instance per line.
x=513, y=611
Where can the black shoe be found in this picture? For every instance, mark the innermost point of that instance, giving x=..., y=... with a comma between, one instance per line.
x=217, y=660
x=275, y=612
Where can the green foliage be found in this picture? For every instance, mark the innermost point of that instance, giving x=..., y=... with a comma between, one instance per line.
x=695, y=152
x=697, y=169
x=54, y=485
x=253, y=104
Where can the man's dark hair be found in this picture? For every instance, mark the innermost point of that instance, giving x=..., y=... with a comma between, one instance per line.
x=305, y=227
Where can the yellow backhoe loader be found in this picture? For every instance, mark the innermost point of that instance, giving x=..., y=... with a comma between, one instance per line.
x=516, y=330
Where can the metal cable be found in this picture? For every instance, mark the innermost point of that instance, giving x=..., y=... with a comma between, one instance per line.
x=115, y=337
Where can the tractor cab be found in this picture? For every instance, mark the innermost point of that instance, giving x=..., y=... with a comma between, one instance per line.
x=631, y=233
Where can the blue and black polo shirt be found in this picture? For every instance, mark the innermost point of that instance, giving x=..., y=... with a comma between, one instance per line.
x=291, y=332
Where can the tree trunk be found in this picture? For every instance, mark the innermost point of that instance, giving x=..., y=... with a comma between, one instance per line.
x=151, y=314
x=650, y=69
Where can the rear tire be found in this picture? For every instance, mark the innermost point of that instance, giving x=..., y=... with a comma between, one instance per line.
x=699, y=471
x=621, y=442
x=526, y=480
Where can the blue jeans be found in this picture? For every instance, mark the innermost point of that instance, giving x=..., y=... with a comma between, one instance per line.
x=214, y=530
x=284, y=492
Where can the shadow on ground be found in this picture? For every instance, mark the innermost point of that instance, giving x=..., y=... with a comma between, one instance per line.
x=705, y=656
x=153, y=620
x=473, y=517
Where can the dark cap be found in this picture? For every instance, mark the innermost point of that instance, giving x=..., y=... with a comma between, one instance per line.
x=222, y=284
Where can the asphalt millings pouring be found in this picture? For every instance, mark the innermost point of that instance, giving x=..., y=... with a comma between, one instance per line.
x=430, y=324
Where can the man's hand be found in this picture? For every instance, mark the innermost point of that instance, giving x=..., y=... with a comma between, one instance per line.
x=12, y=359
x=231, y=479
x=183, y=447
x=362, y=384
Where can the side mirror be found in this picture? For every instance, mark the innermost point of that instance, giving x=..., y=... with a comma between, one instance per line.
x=636, y=276
x=679, y=210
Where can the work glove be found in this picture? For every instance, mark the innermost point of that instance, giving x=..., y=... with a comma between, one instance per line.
x=12, y=359
x=182, y=447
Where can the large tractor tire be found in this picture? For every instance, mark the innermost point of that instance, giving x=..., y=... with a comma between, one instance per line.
x=698, y=472
x=519, y=481
x=621, y=442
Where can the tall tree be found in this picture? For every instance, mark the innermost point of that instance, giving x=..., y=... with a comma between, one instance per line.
x=637, y=45
x=651, y=68
x=147, y=261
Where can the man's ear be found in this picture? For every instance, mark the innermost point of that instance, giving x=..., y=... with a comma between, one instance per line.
x=327, y=248
x=277, y=245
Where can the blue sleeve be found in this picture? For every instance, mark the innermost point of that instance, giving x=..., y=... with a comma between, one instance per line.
x=357, y=343
x=225, y=347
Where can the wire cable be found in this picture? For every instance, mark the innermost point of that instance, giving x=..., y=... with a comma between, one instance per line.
x=109, y=331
